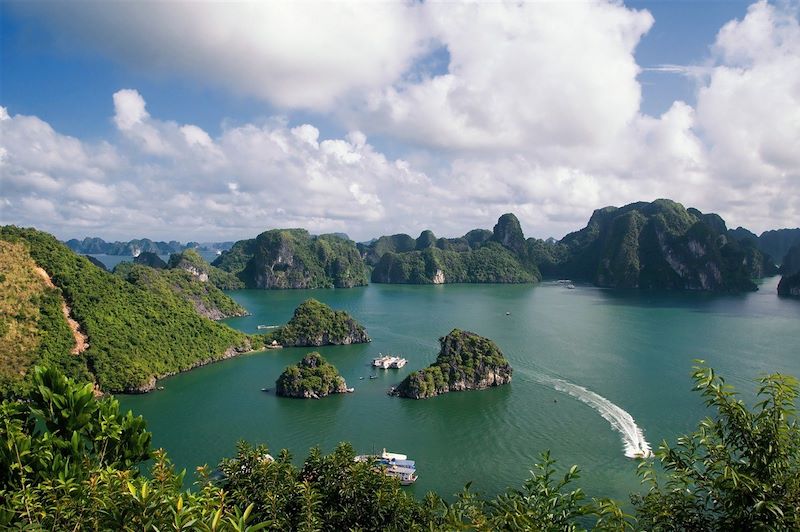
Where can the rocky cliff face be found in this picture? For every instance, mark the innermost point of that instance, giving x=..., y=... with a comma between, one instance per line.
x=315, y=324
x=789, y=284
x=291, y=258
x=466, y=361
x=508, y=232
x=659, y=245
x=778, y=242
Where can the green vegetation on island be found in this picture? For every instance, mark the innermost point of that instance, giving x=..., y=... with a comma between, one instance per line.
x=316, y=324
x=146, y=258
x=292, y=258
x=466, y=361
x=311, y=378
x=191, y=261
x=207, y=300
x=480, y=256
x=33, y=328
x=658, y=245
x=135, y=334
x=71, y=461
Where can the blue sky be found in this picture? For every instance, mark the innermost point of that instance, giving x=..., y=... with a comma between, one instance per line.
x=559, y=134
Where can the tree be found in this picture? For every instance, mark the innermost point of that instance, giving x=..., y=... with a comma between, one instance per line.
x=69, y=461
x=737, y=471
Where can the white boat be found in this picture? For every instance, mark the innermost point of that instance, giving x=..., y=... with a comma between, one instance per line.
x=393, y=465
x=389, y=361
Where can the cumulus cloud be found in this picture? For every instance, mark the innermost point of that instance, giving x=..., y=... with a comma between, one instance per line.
x=537, y=112
x=294, y=54
x=249, y=178
x=542, y=76
x=749, y=114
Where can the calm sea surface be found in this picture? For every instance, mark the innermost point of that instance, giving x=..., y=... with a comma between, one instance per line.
x=633, y=349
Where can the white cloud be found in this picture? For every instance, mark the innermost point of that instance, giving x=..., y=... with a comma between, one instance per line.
x=249, y=178
x=538, y=113
x=749, y=115
x=295, y=54
x=544, y=77
x=129, y=109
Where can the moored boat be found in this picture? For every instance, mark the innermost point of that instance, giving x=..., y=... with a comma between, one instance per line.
x=393, y=465
x=389, y=361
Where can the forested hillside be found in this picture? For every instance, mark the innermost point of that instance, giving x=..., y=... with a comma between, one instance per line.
x=134, y=334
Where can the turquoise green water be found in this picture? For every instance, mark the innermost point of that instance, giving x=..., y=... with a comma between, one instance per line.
x=635, y=349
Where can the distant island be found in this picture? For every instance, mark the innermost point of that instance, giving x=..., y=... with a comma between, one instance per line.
x=316, y=324
x=311, y=378
x=659, y=245
x=480, y=256
x=466, y=361
x=292, y=258
x=133, y=248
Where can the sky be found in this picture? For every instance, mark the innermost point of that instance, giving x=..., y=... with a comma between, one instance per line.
x=216, y=121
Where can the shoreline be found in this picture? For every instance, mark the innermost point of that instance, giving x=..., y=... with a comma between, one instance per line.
x=151, y=385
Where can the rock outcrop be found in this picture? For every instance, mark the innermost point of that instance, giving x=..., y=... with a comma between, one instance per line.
x=148, y=258
x=778, y=242
x=480, y=256
x=96, y=262
x=291, y=258
x=311, y=378
x=207, y=300
x=659, y=245
x=315, y=324
x=466, y=361
x=191, y=262
x=789, y=284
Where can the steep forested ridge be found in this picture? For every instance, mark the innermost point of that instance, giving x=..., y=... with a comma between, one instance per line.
x=134, y=333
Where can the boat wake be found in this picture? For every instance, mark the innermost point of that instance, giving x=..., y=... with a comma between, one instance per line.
x=632, y=436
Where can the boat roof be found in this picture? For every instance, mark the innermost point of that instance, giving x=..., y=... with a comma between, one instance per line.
x=395, y=456
x=402, y=470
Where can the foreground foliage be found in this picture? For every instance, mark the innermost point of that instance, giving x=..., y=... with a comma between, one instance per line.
x=70, y=461
x=738, y=471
